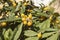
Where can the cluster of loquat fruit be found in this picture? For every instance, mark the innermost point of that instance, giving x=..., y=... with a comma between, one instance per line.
x=27, y=20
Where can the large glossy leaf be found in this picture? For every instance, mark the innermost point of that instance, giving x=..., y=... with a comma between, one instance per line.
x=18, y=32
x=30, y=33
x=53, y=37
x=32, y=38
x=47, y=34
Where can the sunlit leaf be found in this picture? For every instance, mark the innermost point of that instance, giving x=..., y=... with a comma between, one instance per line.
x=30, y=33
x=18, y=32
x=44, y=25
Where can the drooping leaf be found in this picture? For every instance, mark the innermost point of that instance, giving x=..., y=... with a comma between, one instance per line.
x=30, y=33
x=32, y=38
x=18, y=32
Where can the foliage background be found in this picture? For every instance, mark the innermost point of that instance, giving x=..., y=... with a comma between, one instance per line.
x=23, y=21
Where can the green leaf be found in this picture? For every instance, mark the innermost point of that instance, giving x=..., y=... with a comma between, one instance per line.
x=11, y=15
x=53, y=37
x=45, y=25
x=18, y=32
x=47, y=34
x=42, y=14
x=51, y=29
x=23, y=9
x=8, y=34
x=32, y=38
x=37, y=10
x=9, y=20
x=17, y=8
x=13, y=34
x=4, y=30
x=30, y=33
x=0, y=38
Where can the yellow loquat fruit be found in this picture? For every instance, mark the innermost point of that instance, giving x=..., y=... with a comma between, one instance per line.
x=14, y=4
x=29, y=23
x=57, y=21
x=3, y=24
x=39, y=35
x=22, y=15
x=47, y=8
x=24, y=19
x=30, y=16
x=24, y=22
x=16, y=16
x=25, y=4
